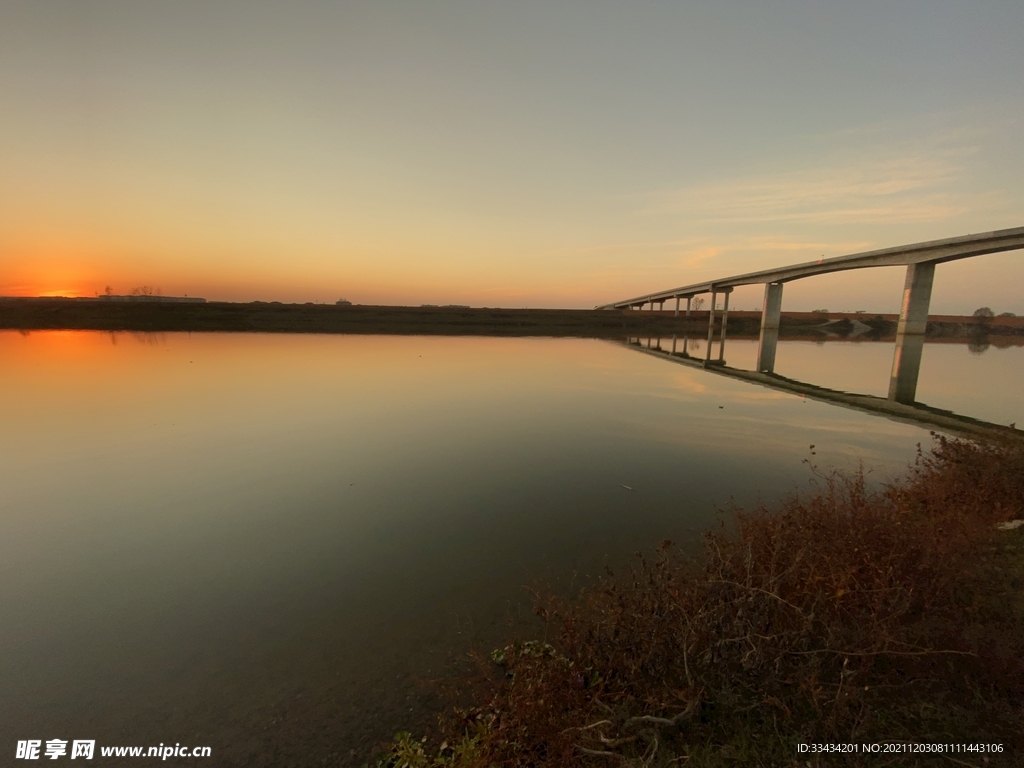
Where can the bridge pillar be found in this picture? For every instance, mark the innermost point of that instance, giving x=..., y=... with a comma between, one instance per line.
x=711, y=325
x=906, y=363
x=725, y=320
x=677, y=307
x=674, y=336
x=688, y=300
x=771, y=314
x=917, y=294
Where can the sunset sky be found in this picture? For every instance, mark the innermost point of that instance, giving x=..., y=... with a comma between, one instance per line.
x=505, y=154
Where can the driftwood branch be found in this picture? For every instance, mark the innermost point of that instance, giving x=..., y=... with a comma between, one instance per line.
x=598, y=752
x=588, y=727
x=613, y=743
x=665, y=722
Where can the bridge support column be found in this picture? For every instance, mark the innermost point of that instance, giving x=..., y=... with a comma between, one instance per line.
x=677, y=307
x=917, y=294
x=906, y=363
x=725, y=321
x=674, y=341
x=711, y=326
x=771, y=314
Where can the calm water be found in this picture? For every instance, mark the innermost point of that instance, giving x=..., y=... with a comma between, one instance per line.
x=268, y=544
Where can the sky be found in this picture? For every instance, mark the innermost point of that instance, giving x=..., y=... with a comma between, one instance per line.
x=527, y=154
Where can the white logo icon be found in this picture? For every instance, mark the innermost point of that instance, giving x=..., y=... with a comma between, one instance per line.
x=82, y=749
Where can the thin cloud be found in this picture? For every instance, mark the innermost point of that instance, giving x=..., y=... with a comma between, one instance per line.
x=701, y=255
x=650, y=245
x=912, y=188
x=749, y=249
x=775, y=244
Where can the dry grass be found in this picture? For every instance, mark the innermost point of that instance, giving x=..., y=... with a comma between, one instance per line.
x=847, y=614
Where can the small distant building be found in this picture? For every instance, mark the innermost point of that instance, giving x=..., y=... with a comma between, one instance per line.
x=343, y=303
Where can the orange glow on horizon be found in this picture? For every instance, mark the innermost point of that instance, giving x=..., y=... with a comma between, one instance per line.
x=393, y=277
x=70, y=289
x=62, y=293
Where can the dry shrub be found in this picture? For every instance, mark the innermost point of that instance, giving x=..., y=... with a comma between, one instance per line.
x=847, y=614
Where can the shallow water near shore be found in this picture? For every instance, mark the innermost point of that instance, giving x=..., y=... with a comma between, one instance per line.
x=271, y=544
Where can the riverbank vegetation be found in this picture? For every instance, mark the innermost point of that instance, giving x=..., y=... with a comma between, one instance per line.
x=30, y=314
x=848, y=613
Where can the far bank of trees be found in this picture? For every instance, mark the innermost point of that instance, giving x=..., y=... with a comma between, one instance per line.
x=986, y=313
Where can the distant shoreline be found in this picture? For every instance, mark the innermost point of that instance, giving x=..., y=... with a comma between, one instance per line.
x=29, y=314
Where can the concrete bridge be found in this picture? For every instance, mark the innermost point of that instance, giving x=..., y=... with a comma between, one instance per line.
x=919, y=258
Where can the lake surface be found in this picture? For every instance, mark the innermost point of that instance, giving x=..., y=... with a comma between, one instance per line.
x=271, y=544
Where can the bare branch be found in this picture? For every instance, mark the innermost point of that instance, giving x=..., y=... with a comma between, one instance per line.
x=598, y=752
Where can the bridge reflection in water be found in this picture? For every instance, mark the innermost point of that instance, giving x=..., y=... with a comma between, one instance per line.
x=899, y=405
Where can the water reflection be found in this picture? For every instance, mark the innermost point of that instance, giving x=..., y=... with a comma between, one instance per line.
x=900, y=402
x=978, y=344
x=262, y=542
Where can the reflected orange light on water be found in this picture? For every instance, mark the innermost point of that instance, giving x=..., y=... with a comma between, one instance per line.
x=110, y=370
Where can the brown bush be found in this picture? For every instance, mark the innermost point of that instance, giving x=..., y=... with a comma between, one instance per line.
x=847, y=614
